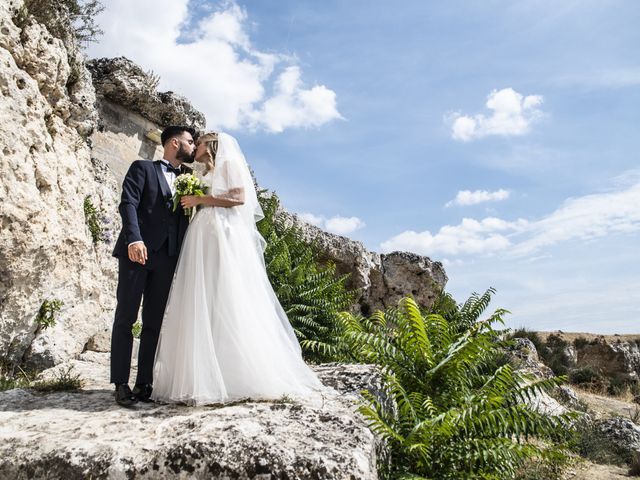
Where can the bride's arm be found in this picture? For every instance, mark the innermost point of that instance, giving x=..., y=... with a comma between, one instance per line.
x=232, y=198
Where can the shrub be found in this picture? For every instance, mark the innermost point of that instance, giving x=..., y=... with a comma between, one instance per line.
x=47, y=314
x=587, y=441
x=622, y=384
x=551, y=468
x=452, y=418
x=63, y=381
x=585, y=375
x=580, y=342
x=92, y=218
x=532, y=336
x=64, y=17
x=312, y=295
x=555, y=354
x=8, y=382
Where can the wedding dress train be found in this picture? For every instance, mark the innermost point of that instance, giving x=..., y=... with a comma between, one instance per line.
x=225, y=336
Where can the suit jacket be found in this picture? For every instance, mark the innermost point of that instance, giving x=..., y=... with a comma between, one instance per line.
x=146, y=210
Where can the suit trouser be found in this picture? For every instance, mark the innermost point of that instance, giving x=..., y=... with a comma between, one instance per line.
x=152, y=283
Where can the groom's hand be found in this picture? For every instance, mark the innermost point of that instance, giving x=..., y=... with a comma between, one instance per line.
x=138, y=253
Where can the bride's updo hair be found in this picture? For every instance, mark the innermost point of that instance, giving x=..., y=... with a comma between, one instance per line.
x=210, y=139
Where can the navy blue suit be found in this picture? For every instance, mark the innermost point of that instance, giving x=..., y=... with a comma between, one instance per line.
x=146, y=211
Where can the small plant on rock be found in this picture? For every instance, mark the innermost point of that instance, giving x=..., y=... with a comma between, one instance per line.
x=64, y=381
x=136, y=330
x=92, y=218
x=65, y=17
x=47, y=313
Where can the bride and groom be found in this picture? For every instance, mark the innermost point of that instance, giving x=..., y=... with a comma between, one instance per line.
x=213, y=330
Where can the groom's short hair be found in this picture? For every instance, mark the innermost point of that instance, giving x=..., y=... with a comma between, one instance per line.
x=175, y=130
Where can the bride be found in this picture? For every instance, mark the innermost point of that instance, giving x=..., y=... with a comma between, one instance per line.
x=225, y=336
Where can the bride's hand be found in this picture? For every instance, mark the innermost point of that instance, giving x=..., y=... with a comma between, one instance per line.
x=190, y=201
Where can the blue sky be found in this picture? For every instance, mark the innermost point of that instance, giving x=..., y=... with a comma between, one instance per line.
x=498, y=137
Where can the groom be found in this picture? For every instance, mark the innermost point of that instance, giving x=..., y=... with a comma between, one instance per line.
x=147, y=251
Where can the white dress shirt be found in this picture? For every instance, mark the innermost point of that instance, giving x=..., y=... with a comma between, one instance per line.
x=169, y=176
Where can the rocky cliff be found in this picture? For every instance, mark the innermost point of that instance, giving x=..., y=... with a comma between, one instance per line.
x=610, y=357
x=68, y=132
x=382, y=279
x=46, y=250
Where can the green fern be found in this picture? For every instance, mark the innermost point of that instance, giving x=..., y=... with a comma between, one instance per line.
x=311, y=294
x=454, y=417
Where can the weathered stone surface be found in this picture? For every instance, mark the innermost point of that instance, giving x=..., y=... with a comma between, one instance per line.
x=525, y=358
x=610, y=358
x=121, y=81
x=383, y=279
x=46, y=251
x=121, y=138
x=85, y=435
x=57, y=65
x=567, y=397
x=622, y=433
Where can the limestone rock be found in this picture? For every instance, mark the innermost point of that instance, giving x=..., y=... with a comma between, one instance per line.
x=568, y=397
x=121, y=81
x=526, y=358
x=383, y=279
x=46, y=250
x=622, y=433
x=610, y=358
x=57, y=65
x=85, y=435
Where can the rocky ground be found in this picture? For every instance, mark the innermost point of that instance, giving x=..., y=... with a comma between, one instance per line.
x=84, y=434
x=605, y=406
x=591, y=471
x=601, y=407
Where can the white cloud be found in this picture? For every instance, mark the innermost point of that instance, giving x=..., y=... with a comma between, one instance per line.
x=512, y=114
x=218, y=68
x=470, y=237
x=312, y=219
x=292, y=106
x=467, y=197
x=343, y=225
x=337, y=224
x=578, y=219
x=585, y=218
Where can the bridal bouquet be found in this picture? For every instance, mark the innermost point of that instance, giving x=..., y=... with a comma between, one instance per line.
x=188, y=184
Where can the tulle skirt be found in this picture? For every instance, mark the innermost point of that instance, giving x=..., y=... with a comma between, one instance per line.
x=225, y=336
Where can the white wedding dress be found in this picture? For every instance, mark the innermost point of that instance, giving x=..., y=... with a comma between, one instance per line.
x=225, y=336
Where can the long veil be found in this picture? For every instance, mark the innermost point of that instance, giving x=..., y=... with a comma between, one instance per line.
x=231, y=172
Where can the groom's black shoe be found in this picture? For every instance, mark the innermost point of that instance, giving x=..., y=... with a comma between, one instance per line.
x=124, y=395
x=143, y=392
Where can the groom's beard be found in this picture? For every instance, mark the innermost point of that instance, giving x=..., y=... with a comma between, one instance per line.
x=184, y=156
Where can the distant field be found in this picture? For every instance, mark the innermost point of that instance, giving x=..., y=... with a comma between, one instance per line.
x=571, y=336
